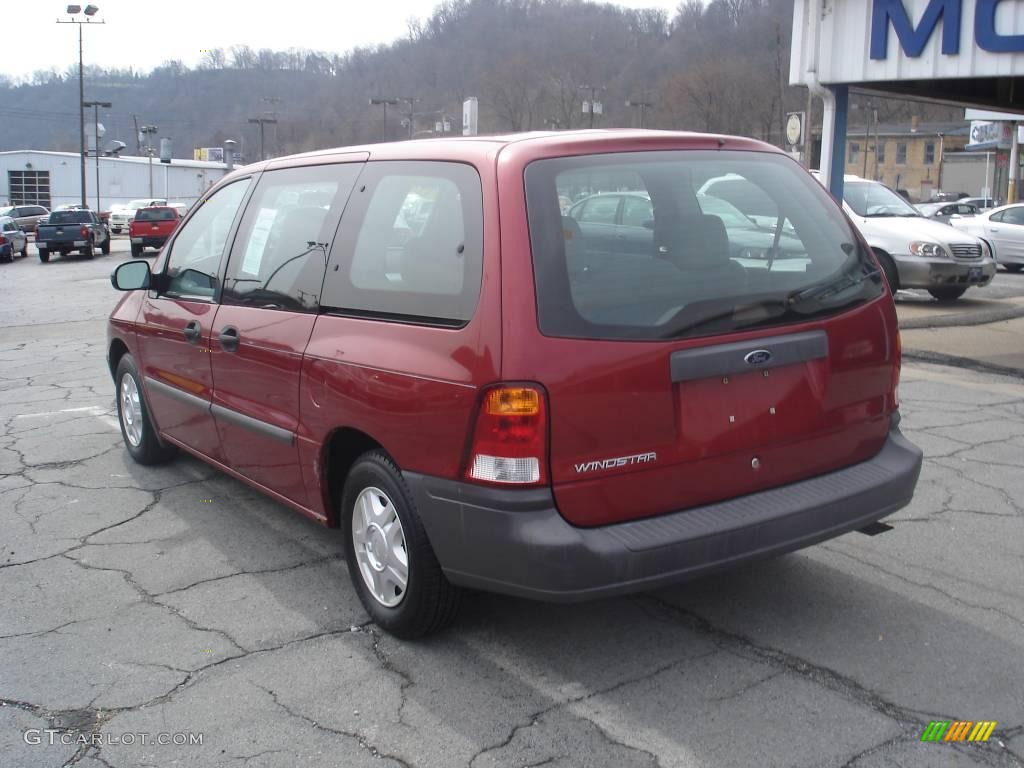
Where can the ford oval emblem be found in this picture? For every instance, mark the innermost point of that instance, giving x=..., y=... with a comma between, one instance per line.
x=758, y=357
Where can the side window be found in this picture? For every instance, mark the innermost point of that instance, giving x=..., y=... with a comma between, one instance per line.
x=280, y=254
x=599, y=210
x=997, y=217
x=410, y=244
x=635, y=211
x=195, y=256
x=1014, y=215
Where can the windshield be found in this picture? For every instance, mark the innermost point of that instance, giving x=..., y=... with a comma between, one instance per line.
x=696, y=265
x=70, y=217
x=872, y=200
x=134, y=205
x=7, y=211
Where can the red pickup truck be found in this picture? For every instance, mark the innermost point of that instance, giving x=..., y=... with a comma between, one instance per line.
x=151, y=227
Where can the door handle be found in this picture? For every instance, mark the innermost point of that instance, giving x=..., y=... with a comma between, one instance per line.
x=229, y=338
x=192, y=331
x=993, y=229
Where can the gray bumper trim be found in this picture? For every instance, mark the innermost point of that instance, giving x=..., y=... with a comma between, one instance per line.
x=515, y=541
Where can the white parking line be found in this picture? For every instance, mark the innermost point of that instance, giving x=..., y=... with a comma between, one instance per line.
x=92, y=410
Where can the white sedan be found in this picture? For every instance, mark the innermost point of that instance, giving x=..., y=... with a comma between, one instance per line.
x=1003, y=229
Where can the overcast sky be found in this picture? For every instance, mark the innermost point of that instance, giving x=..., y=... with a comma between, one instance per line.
x=138, y=33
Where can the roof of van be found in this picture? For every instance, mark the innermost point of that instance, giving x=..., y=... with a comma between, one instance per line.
x=482, y=147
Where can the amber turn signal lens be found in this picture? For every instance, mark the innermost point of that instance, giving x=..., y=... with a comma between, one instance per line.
x=513, y=401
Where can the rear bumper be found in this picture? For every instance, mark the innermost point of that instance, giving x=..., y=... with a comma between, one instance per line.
x=149, y=242
x=917, y=272
x=516, y=542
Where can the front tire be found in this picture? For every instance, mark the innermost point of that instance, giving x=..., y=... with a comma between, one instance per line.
x=390, y=560
x=137, y=430
x=947, y=293
x=892, y=277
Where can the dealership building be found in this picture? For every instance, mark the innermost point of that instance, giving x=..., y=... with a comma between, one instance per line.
x=31, y=177
x=963, y=52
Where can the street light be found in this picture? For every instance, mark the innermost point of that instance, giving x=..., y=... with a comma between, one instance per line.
x=96, y=130
x=148, y=131
x=643, y=106
x=90, y=11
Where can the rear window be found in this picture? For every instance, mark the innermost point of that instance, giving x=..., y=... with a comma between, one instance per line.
x=697, y=243
x=70, y=217
x=155, y=214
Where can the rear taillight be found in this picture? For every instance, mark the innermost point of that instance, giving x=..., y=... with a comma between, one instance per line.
x=3, y=240
x=510, y=439
x=896, y=371
x=85, y=231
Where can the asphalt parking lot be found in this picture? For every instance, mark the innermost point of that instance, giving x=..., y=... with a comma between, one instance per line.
x=140, y=602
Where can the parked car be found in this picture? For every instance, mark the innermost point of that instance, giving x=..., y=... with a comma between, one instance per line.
x=981, y=203
x=491, y=403
x=947, y=197
x=945, y=212
x=1004, y=228
x=12, y=239
x=151, y=227
x=121, y=214
x=916, y=252
x=72, y=230
x=25, y=216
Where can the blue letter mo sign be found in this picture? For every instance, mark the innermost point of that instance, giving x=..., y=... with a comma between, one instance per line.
x=914, y=39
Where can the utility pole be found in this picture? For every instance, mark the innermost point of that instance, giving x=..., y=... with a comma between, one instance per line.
x=138, y=135
x=273, y=101
x=641, y=107
x=148, y=131
x=409, y=116
x=96, y=150
x=90, y=11
x=262, y=121
x=384, y=125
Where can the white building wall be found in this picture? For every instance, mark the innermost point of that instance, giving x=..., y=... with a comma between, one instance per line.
x=121, y=179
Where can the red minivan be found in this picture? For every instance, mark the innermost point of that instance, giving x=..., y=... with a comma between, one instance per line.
x=549, y=365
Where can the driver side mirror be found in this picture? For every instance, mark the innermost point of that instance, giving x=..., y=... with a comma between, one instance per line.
x=131, y=276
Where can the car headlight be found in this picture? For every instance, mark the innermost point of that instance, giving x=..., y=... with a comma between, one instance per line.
x=932, y=250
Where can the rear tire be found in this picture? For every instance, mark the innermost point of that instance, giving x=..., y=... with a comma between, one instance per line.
x=44, y=255
x=88, y=251
x=105, y=248
x=24, y=249
x=947, y=293
x=137, y=430
x=136, y=251
x=387, y=529
x=1014, y=267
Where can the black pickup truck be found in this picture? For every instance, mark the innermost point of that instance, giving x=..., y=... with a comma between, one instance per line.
x=74, y=230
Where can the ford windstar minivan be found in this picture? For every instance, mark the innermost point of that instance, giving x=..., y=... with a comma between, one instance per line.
x=484, y=386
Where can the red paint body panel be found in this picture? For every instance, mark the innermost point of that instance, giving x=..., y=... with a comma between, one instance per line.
x=166, y=356
x=414, y=389
x=617, y=398
x=261, y=380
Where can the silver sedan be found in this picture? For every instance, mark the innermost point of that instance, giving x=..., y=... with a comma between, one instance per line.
x=1003, y=229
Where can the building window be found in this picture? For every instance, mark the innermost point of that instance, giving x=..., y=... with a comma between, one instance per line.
x=901, y=153
x=929, y=153
x=29, y=187
x=854, y=152
x=880, y=150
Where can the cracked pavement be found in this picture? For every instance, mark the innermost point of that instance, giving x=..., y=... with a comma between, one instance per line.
x=132, y=605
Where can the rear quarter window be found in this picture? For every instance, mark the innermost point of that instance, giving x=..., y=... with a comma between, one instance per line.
x=410, y=245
